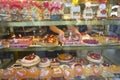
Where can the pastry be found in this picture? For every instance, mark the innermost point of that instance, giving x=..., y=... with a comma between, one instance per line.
x=45, y=73
x=57, y=72
x=90, y=42
x=77, y=68
x=30, y=60
x=21, y=73
x=114, y=68
x=88, y=70
x=54, y=62
x=50, y=39
x=95, y=57
x=97, y=70
x=9, y=73
x=20, y=42
x=68, y=73
x=33, y=73
x=45, y=62
x=1, y=73
x=65, y=57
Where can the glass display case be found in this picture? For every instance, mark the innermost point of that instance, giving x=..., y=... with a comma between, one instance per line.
x=25, y=48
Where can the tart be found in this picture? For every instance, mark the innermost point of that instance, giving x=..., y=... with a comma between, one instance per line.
x=65, y=57
x=30, y=60
x=95, y=57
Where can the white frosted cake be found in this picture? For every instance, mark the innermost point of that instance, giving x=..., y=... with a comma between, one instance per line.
x=30, y=60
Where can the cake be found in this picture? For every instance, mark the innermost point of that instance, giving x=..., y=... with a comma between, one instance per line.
x=20, y=42
x=45, y=62
x=90, y=42
x=95, y=57
x=65, y=57
x=30, y=60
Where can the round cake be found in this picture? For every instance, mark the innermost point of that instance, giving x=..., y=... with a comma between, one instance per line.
x=30, y=60
x=45, y=62
x=65, y=57
x=95, y=57
x=90, y=42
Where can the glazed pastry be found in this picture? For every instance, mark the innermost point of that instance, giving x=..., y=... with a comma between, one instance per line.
x=97, y=70
x=45, y=73
x=78, y=69
x=21, y=73
x=33, y=73
x=9, y=73
x=57, y=72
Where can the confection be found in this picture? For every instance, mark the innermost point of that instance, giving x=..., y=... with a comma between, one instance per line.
x=50, y=39
x=114, y=68
x=78, y=70
x=65, y=57
x=1, y=73
x=45, y=73
x=88, y=70
x=19, y=42
x=33, y=73
x=68, y=73
x=21, y=73
x=97, y=70
x=57, y=72
x=54, y=62
x=95, y=57
x=90, y=42
x=8, y=73
x=45, y=62
x=30, y=60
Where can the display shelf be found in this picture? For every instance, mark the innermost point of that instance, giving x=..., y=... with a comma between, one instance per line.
x=48, y=48
x=65, y=22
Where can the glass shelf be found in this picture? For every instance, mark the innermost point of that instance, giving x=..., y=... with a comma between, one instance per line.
x=65, y=22
x=48, y=48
